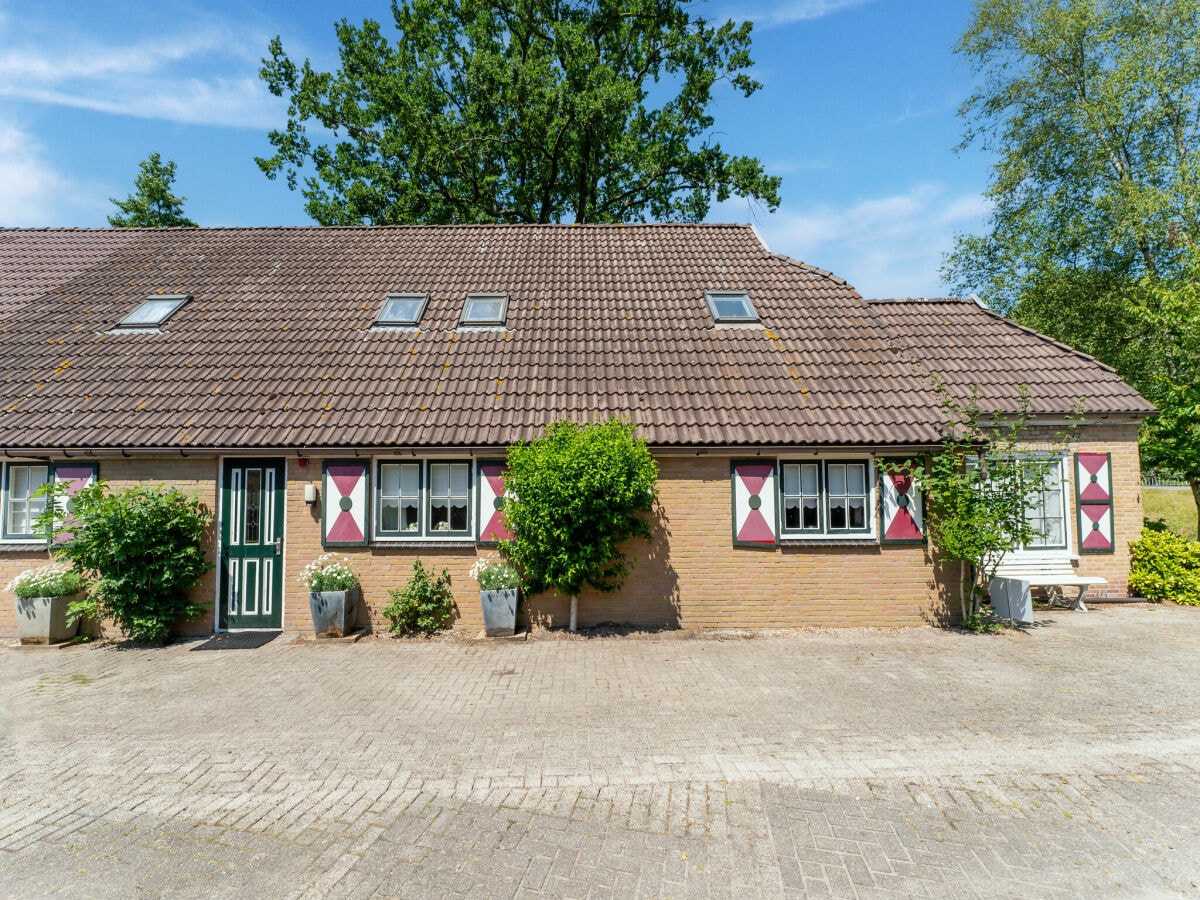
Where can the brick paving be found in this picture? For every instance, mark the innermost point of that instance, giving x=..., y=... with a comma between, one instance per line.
x=851, y=763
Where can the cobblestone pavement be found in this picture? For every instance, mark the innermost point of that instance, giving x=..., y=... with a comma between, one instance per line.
x=1064, y=761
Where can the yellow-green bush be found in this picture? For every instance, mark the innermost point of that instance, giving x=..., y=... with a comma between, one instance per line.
x=1165, y=566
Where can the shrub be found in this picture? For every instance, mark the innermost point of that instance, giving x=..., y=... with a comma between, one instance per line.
x=1165, y=566
x=140, y=548
x=495, y=575
x=54, y=580
x=573, y=496
x=424, y=605
x=329, y=572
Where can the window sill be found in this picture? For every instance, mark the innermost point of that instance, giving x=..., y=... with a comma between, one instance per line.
x=829, y=542
x=416, y=543
x=22, y=546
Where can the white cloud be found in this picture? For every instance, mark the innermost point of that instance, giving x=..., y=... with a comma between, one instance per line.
x=29, y=186
x=790, y=11
x=889, y=246
x=205, y=73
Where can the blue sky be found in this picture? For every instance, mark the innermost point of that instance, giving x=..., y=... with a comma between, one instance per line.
x=857, y=113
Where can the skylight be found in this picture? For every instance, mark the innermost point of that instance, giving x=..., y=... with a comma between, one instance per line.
x=402, y=309
x=730, y=306
x=485, y=309
x=154, y=311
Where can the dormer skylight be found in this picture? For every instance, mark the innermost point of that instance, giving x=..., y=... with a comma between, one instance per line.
x=485, y=309
x=154, y=311
x=402, y=310
x=730, y=306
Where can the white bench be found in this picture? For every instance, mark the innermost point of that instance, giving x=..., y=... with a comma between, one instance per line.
x=1049, y=571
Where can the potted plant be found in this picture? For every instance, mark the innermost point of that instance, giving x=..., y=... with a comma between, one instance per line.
x=498, y=587
x=43, y=600
x=333, y=595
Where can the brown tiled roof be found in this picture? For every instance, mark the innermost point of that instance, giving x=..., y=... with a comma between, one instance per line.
x=972, y=348
x=276, y=350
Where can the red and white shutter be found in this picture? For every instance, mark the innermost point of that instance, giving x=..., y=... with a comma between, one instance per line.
x=344, y=503
x=72, y=477
x=902, y=519
x=493, y=527
x=754, y=505
x=1094, y=502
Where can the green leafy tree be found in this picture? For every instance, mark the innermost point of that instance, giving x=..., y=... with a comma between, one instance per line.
x=1090, y=108
x=572, y=497
x=141, y=549
x=977, y=487
x=152, y=205
x=538, y=111
x=1171, y=440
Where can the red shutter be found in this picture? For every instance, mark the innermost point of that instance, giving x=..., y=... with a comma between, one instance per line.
x=1094, y=502
x=754, y=503
x=493, y=527
x=903, y=518
x=344, y=503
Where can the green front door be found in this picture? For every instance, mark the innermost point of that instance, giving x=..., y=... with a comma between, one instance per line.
x=252, y=543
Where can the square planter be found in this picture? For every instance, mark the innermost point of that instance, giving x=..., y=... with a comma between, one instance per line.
x=43, y=620
x=499, y=612
x=334, y=613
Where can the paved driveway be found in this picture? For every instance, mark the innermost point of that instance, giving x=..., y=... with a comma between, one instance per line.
x=1062, y=762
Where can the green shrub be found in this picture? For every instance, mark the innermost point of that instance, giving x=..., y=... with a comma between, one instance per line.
x=55, y=580
x=1165, y=566
x=142, y=550
x=424, y=605
x=573, y=496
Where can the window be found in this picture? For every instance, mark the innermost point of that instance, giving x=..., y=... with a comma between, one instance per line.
x=21, y=508
x=802, y=497
x=402, y=310
x=826, y=498
x=153, y=311
x=448, y=504
x=1045, y=509
x=418, y=499
x=485, y=309
x=399, y=498
x=730, y=306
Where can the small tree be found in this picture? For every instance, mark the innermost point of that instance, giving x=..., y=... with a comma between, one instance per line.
x=977, y=488
x=152, y=205
x=141, y=550
x=573, y=496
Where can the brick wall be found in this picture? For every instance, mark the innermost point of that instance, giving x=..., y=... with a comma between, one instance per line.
x=689, y=575
x=193, y=474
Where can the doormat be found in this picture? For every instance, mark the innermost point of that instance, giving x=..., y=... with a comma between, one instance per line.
x=238, y=640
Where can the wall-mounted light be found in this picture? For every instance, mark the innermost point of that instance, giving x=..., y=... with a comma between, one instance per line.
x=310, y=495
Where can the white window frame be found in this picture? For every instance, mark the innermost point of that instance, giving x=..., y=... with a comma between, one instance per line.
x=1041, y=551
x=869, y=533
x=425, y=532
x=172, y=303
x=6, y=536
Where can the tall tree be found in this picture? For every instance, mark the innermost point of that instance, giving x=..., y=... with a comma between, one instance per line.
x=522, y=111
x=1091, y=108
x=152, y=205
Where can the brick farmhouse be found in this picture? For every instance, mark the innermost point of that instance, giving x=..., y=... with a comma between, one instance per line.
x=381, y=372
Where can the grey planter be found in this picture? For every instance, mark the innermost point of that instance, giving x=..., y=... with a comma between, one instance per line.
x=43, y=620
x=334, y=613
x=499, y=612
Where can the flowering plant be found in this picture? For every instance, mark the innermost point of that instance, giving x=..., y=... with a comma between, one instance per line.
x=495, y=575
x=329, y=572
x=55, y=580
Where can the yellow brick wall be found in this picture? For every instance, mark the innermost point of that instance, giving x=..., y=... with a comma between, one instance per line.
x=689, y=575
x=193, y=474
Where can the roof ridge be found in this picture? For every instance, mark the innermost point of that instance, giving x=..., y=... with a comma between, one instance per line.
x=808, y=267
x=522, y=226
